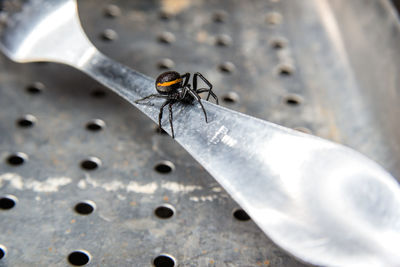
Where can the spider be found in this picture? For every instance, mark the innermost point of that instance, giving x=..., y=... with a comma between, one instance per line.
x=174, y=87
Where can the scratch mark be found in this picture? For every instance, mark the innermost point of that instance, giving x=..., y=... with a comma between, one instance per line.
x=222, y=131
x=52, y=184
x=144, y=189
x=14, y=179
x=203, y=198
x=229, y=141
x=177, y=188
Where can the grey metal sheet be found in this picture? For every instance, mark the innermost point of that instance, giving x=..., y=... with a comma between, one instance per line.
x=301, y=64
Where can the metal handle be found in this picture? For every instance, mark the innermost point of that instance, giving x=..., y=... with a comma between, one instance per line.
x=308, y=194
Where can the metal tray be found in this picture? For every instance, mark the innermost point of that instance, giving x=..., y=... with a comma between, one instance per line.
x=86, y=177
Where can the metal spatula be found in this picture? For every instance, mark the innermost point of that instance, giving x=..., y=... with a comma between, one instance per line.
x=324, y=203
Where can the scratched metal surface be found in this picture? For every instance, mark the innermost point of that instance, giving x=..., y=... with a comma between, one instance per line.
x=295, y=63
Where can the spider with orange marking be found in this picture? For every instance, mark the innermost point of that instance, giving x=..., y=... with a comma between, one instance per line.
x=175, y=88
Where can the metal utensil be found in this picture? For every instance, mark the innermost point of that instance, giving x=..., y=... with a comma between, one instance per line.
x=322, y=202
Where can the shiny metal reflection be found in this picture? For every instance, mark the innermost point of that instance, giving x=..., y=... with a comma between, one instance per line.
x=322, y=202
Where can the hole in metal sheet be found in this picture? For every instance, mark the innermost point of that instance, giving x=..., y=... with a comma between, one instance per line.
x=35, y=88
x=109, y=35
x=164, y=260
x=98, y=93
x=164, y=15
x=79, y=258
x=85, y=207
x=241, y=215
x=274, y=18
x=227, y=67
x=230, y=98
x=112, y=11
x=278, y=43
x=303, y=130
x=26, y=121
x=165, y=64
x=3, y=251
x=285, y=70
x=166, y=38
x=165, y=211
x=219, y=16
x=17, y=159
x=164, y=167
x=293, y=100
x=7, y=202
x=223, y=40
x=95, y=125
x=91, y=163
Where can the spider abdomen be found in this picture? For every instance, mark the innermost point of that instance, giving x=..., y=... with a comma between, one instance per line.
x=168, y=82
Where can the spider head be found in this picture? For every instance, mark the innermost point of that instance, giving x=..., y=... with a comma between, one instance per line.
x=168, y=82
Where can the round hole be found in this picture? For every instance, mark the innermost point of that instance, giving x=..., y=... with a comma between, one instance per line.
x=165, y=64
x=285, y=70
x=98, y=93
x=85, y=208
x=274, y=18
x=164, y=167
x=293, y=100
x=26, y=121
x=164, y=260
x=241, y=215
x=90, y=164
x=220, y=16
x=303, y=130
x=112, y=11
x=35, y=88
x=278, y=43
x=166, y=38
x=227, y=67
x=3, y=251
x=164, y=212
x=230, y=98
x=79, y=258
x=7, y=202
x=95, y=125
x=223, y=40
x=109, y=35
x=164, y=15
x=17, y=159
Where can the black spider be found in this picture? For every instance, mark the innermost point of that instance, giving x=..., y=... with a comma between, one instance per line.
x=174, y=88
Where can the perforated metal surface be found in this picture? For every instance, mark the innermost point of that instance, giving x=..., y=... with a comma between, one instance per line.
x=254, y=53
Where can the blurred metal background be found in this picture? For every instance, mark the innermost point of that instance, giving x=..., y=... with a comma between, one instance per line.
x=329, y=68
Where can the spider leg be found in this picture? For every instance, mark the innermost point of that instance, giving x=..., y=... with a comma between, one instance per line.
x=195, y=95
x=151, y=96
x=161, y=112
x=170, y=118
x=185, y=76
x=198, y=74
x=202, y=90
